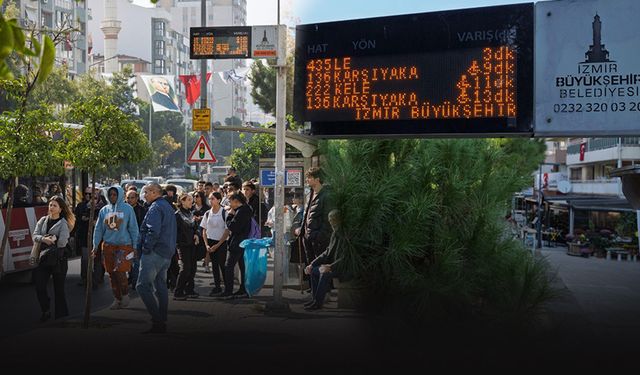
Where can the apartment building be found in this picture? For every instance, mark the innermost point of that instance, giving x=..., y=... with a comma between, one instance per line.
x=226, y=100
x=146, y=41
x=56, y=15
x=575, y=183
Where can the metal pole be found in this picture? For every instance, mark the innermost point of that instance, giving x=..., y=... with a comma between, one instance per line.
x=620, y=194
x=638, y=226
x=203, y=70
x=150, y=119
x=539, y=223
x=278, y=276
x=571, y=219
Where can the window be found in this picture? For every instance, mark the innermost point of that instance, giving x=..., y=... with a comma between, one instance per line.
x=159, y=28
x=158, y=66
x=575, y=174
x=159, y=47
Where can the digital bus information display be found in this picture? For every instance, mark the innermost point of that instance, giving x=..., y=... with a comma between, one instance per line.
x=220, y=42
x=453, y=85
x=400, y=76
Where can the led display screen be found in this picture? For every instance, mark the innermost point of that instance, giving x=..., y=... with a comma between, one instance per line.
x=220, y=42
x=455, y=72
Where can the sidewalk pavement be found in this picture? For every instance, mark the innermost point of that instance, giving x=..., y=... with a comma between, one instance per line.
x=600, y=302
x=201, y=333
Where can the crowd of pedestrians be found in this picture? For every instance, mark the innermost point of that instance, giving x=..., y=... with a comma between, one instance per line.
x=155, y=246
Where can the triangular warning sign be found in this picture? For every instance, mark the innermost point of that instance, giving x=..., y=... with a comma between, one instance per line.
x=202, y=152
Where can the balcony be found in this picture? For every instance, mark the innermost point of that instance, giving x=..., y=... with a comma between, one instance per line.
x=598, y=187
x=81, y=14
x=604, y=149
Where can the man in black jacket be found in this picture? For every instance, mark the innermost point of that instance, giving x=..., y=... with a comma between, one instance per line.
x=315, y=229
x=260, y=210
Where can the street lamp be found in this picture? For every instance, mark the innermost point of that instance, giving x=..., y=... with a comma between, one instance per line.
x=540, y=200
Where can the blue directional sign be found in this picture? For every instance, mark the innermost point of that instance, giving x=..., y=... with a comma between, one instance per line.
x=292, y=177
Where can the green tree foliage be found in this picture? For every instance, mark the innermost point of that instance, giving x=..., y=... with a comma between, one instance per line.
x=58, y=90
x=225, y=142
x=121, y=92
x=424, y=226
x=118, y=91
x=165, y=122
x=109, y=137
x=27, y=146
x=246, y=159
x=166, y=146
x=263, y=86
x=31, y=51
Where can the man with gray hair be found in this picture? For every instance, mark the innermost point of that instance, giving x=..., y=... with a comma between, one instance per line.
x=323, y=268
x=156, y=248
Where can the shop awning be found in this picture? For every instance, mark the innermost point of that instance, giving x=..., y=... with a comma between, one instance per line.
x=602, y=204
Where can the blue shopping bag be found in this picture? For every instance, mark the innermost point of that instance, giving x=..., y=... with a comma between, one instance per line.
x=255, y=262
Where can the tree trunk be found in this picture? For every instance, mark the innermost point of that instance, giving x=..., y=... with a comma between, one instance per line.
x=90, y=260
x=7, y=223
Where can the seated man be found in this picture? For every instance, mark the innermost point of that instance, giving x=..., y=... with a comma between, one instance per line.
x=322, y=269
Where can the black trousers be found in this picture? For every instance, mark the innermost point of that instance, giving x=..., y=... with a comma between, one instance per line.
x=186, y=283
x=218, y=260
x=313, y=248
x=97, y=274
x=172, y=272
x=235, y=255
x=41, y=276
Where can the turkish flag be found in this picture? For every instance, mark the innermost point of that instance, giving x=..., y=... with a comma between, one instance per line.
x=583, y=148
x=192, y=87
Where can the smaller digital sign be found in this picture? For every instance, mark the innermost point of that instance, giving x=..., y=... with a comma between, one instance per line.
x=220, y=42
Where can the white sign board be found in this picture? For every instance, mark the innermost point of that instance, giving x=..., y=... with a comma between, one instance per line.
x=587, y=68
x=264, y=42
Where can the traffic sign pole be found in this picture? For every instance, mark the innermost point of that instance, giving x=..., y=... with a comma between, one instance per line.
x=203, y=67
x=281, y=81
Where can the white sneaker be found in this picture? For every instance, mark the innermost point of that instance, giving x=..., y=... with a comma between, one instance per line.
x=125, y=301
x=116, y=305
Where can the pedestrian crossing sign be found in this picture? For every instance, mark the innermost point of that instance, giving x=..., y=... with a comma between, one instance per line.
x=202, y=152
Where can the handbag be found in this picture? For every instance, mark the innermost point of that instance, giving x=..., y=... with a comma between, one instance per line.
x=49, y=257
x=34, y=257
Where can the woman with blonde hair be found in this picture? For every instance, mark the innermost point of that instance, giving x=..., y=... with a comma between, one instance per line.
x=52, y=232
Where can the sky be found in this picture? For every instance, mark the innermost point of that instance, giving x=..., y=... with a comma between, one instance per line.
x=312, y=11
x=263, y=12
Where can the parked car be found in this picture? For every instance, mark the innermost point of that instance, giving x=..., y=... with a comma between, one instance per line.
x=187, y=184
x=175, y=173
x=158, y=179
